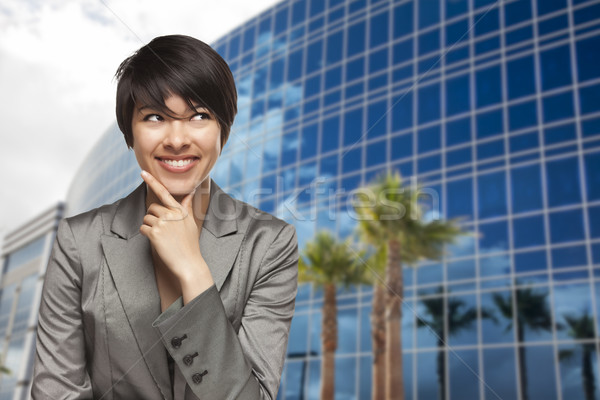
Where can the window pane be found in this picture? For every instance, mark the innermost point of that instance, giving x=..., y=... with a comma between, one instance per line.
x=429, y=139
x=330, y=131
x=517, y=11
x=460, y=198
x=500, y=305
x=356, y=39
x=493, y=237
x=540, y=371
x=563, y=182
x=521, y=80
x=377, y=119
x=497, y=265
x=379, y=29
x=592, y=175
x=589, y=99
x=429, y=103
x=403, y=20
x=430, y=14
x=566, y=226
x=376, y=153
x=295, y=61
x=529, y=231
x=298, y=335
x=522, y=115
x=500, y=373
x=572, y=256
x=402, y=112
x=427, y=382
x=492, y=195
x=531, y=261
x=461, y=313
x=588, y=58
x=556, y=67
x=457, y=95
x=352, y=126
x=314, y=56
x=429, y=42
x=464, y=383
x=334, y=47
x=526, y=188
x=489, y=124
x=402, y=146
x=558, y=107
x=458, y=131
x=489, y=90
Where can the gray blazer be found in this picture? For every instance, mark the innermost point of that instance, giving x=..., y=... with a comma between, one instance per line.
x=101, y=333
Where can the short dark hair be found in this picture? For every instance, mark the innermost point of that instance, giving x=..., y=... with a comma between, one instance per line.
x=175, y=65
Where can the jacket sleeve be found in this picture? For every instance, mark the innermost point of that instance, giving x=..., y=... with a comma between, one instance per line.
x=60, y=363
x=216, y=362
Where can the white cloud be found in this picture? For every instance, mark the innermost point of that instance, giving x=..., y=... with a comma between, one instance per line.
x=57, y=61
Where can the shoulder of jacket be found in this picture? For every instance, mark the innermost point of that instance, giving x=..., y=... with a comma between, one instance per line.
x=97, y=217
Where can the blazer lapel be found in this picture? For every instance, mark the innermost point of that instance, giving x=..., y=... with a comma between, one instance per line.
x=220, y=239
x=130, y=262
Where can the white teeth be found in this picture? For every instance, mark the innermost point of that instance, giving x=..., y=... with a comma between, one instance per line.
x=177, y=163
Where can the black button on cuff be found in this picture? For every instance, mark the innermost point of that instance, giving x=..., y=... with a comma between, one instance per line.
x=176, y=341
x=197, y=378
x=189, y=359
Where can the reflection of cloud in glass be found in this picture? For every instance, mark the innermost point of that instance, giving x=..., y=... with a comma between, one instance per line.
x=464, y=246
x=293, y=94
x=494, y=265
x=271, y=150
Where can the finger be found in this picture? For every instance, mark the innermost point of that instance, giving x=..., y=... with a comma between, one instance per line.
x=150, y=220
x=157, y=210
x=159, y=190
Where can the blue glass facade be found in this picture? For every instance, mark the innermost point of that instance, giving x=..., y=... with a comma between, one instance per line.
x=492, y=105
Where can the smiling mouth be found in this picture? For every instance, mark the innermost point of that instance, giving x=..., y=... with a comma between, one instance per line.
x=177, y=163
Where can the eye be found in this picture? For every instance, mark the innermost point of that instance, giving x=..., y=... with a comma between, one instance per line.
x=153, y=118
x=200, y=116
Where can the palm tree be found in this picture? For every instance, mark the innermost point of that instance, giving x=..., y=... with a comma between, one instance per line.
x=459, y=318
x=377, y=263
x=326, y=262
x=391, y=213
x=582, y=328
x=533, y=313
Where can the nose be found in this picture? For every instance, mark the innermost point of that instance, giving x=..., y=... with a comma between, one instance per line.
x=176, y=138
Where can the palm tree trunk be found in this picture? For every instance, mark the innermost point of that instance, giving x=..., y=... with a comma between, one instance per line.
x=378, y=336
x=329, y=342
x=587, y=373
x=522, y=362
x=394, y=373
x=441, y=366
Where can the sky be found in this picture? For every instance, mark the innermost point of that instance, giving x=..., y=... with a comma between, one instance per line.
x=57, y=92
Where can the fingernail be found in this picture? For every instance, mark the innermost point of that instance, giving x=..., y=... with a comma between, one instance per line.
x=144, y=173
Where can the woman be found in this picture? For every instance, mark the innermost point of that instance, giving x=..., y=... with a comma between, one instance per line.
x=176, y=291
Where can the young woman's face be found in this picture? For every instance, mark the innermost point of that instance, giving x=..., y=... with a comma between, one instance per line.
x=179, y=152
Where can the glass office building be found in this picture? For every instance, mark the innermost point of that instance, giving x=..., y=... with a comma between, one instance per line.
x=25, y=253
x=492, y=105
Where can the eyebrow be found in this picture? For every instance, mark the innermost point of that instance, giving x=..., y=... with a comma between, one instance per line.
x=196, y=107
